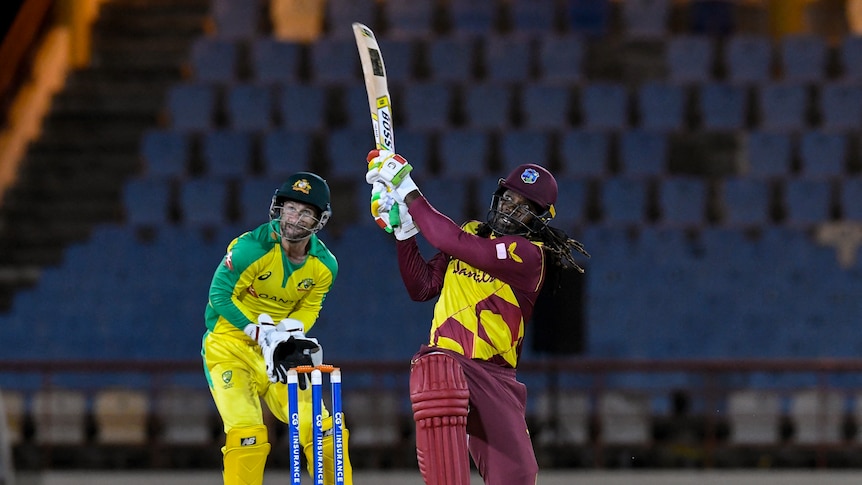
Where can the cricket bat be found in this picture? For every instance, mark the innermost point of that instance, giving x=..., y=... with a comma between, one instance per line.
x=379, y=105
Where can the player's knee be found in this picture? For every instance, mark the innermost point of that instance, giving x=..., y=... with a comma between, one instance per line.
x=438, y=387
x=245, y=453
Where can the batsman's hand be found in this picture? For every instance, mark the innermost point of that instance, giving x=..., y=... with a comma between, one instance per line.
x=284, y=351
x=258, y=331
x=391, y=169
x=390, y=213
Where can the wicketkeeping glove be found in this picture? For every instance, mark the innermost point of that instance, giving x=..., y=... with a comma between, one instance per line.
x=391, y=169
x=258, y=331
x=285, y=350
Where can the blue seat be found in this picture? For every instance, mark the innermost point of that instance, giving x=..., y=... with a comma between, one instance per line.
x=355, y=106
x=227, y=153
x=850, y=52
x=682, y=200
x=452, y=58
x=275, y=61
x=147, y=201
x=851, y=198
x=346, y=150
x=783, y=106
x=572, y=201
x=645, y=18
x=643, y=153
x=712, y=17
x=203, y=202
x=416, y=146
x=840, y=105
x=536, y=17
x=302, y=107
x=192, y=106
x=723, y=106
x=624, y=200
x=426, y=106
x=334, y=60
x=249, y=107
x=769, y=153
x=449, y=195
x=822, y=153
x=214, y=60
x=340, y=15
x=585, y=153
x=546, y=106
x=690, y=58
x=284, y=152
x=661, y=106
x=802, y=57
x=605, y=105
x=745, y=201
x=807, y=201
x=471, y=17
x=165, y=153
x=464, y=152
x=253, y=199
x=524, y=146
x=561, y=58
x=411, y=20
x=488, y=105
x=508, y=58
x=236, y=19
x=399, y=58
x=748, y=58
x=587, y=17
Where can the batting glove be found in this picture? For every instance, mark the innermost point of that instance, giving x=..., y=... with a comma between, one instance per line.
x=391, y=169
x=391, y=213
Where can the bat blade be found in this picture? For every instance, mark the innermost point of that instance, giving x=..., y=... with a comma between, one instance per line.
x=376, y=86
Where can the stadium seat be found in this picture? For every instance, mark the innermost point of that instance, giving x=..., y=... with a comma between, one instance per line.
x=769, y=154
x=661, y=106
x=192, y=106
x=471, y=17
x=536, y=17
x=227, y=153
x=355, y=106
x=184, y=416
x=817, y=416
x=302, y=107
x=14, y=406
x=399, y=58
x=214, y=60
x=645, y=18
x=822, y=153
x=488, y=106
x=561, y=58
x=374, y=417
x=121, y=416
x=624, y=418
x=562, y=418
x=426, y=106
x=452, y=58
x=524, y=146
x=451, y=195
x=546, y=106
x=164, y=153
x=840, y=105
x=643, y=152
x=690, y=58
x=334, y=60
x=249, y=107
x=346, y=151
x=745, y=201
x=723, y=106
x=802, y=57
x=340, y=15
x=851, y=198
x=850, y=52
x=59, y=417
x=623, y=201
x=147, y=201
x=252, y=199
x=508, y=58
x=682, y=201
x=275, y=61
x=572, y=201
x=284, y=152
x=585, y=153
x=807, y=201
x=748, y=58
x=753, y=416
x=203, y=202
x=605, y=105
x=783, y=106
x=416, y=146
x=236, y=19
x=464, y=152
x=712, y=17
x=408, y=20
x=591, y=18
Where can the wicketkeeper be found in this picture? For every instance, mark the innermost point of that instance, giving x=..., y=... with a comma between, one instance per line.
x=486, y=278
x=279, y=272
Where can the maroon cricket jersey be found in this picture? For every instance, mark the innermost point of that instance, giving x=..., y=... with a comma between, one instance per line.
x=487, y=287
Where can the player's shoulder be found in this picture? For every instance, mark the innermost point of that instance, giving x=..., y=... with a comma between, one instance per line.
x=253, y=244
x=319, y=250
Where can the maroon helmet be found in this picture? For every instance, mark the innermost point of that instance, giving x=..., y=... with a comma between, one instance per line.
x=536, y=184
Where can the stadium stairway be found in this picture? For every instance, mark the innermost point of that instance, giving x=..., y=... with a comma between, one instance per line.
x=71, y=177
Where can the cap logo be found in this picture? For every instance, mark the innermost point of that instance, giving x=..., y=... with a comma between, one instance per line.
x=530, y=176
x=302, y=185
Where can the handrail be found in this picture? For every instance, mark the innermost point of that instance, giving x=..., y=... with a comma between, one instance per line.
x=18, y=42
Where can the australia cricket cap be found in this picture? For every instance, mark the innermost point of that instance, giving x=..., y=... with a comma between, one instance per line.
x=308, y=188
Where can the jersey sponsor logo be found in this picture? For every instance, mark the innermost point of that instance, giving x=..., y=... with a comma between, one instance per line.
x=305, y=284
x=265, y=276
x=269, y=297
x=228, y=260
x=507, y=252
x=474, y=274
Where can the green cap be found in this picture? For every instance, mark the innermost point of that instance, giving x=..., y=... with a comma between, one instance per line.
x=308, y=188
